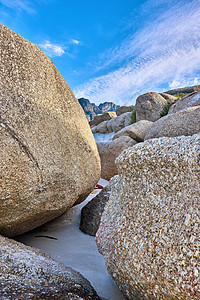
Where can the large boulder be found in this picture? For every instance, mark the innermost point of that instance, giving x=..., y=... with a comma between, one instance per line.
x=91, y=213
x=149, y=106
x=104, y=117
x=136, y=131
x=124, y=109
x=101, y=128
x=109, y=151
x=184, y=90
x=49, y=158
x=190, y=100
x=28, y=273
x=149, y=230
x=119, y=122
x=184, y=122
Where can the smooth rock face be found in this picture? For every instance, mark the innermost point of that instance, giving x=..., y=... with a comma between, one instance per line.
x=185, y=102
x=104, y=117
x=149, y=106
x=119, y=122
x=49, y=158
x=91, y=213
x=109, y=151
x=149, y=231
x=185, y=122
x=29, y=273
x=123, y=109
x=136, y=131
x=101, y=128
x=169, y=98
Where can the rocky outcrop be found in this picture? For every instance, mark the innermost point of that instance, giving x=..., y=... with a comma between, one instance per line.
x=185, y=122
x=149, y=230
x=49, y=158
x=149, y=106
x=113, y=125
x=109, y=151
x=190, y=100
x=91, y=109
x=91, y=213
x=28, y=273
x=104, y=117
x=124, y=109
x=168, y=97
x=136, y=131
x=184, y=90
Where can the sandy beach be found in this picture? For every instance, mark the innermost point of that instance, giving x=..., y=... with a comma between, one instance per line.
x=66, y=243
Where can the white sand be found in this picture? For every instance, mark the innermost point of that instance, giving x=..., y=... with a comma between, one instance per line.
x=75, y=249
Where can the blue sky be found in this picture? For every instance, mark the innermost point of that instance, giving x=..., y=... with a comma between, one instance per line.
x=113, y=50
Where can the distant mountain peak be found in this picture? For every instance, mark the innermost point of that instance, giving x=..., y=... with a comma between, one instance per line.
x=91, y=109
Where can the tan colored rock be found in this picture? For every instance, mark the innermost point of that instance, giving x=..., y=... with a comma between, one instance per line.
x=136, y=131
x=49, y=158
x=119, y=122
x=190, y=100
x=185, y=122
x=150, y=227
x=101, y=128
x=124, y=109
x=104, y=117
x=29, y=273
x=149, y=106
x=169, y=98
x=109, y=151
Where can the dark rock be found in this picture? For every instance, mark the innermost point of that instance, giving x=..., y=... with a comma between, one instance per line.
x=184, y=90
x=92, y=211
x=91, y=109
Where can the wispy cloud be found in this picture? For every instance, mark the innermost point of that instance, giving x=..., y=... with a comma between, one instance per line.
x=52, y=49
x=165, y=51
x=20, y=5
x=76, y=42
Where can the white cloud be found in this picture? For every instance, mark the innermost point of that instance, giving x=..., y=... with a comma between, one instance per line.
x=21, y=5
x=165, y=51
x=52, y=49
x=76, y=42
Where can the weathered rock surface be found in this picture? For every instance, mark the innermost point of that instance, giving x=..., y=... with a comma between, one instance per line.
x=184, y=90
x=49, y=158
x=109, y=151
x=136, y=131
x=168, y=97
x=123, y=109
x=149, y=106
x=185, y=122
x=104, y=117
x=29, y=273
x=190, y=100
x=149, y=231
x=119, y=122
x=91, y=213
